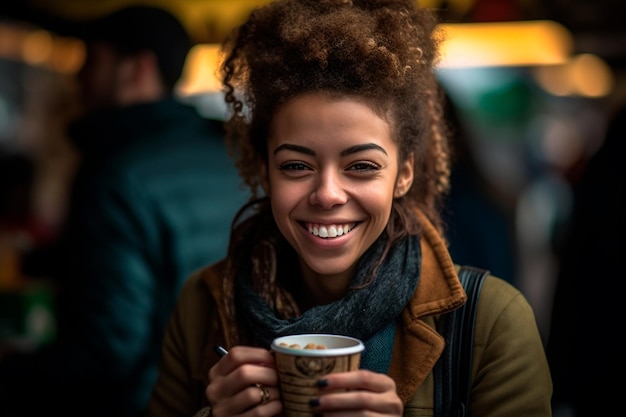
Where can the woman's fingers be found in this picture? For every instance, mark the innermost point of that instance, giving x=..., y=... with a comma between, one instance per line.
x=359, y=391
x=361, y=379
x=242, y=380
x=240, y=355
x=264, y=401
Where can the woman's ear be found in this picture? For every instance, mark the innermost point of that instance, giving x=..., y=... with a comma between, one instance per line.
x=405, y=177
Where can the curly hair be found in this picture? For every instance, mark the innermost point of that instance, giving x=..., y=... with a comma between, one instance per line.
x=381, y=52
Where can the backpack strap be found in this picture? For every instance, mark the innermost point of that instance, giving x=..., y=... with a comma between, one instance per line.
x=453, y=371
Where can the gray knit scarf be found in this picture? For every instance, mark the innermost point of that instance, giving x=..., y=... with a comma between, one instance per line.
x=363, y=313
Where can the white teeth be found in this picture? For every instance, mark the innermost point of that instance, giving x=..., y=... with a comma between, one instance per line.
x=329, y=231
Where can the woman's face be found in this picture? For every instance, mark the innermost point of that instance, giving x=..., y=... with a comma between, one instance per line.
x=332, y=175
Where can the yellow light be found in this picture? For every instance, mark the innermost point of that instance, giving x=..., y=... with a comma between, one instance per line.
x=37, y=47
x=208, y=21
x=522, y=43
x=584, y=75
x=554, y=80
x=67, y=56
x=10, y=41
x=591, y=76
x=200, y=71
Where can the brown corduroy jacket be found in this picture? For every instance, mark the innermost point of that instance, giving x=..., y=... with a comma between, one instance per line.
x=510, y=375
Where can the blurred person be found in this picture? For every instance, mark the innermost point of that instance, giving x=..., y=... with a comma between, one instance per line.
x=151, y=201
x=587, y=322
x=478, y=227
x=339, y=126
x=17, y=217
x=20, y=228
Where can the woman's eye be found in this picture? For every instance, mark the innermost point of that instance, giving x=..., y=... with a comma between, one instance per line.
x=293, y=166
x=363, y=166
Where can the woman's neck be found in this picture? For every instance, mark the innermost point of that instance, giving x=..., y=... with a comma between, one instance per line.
x=316, y=289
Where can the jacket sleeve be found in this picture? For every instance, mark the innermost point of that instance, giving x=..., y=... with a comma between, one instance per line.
x=511, y=376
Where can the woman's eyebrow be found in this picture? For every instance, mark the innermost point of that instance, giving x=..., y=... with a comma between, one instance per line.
x=348, y=151
x=362, y=148
x=295, y=148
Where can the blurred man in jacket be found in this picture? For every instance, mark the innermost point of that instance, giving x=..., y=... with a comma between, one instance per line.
x=151, y=201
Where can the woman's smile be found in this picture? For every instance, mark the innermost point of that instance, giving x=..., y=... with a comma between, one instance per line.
x=329, y=231
x=332, y=171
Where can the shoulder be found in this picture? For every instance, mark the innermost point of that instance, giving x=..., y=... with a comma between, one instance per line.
x=201, y=286
x=184, y=362
x=201, y=298
x=503, y=313
x=498, y=295
x=498, y=299
x=510, y=370
x=196, y=315
x=502, y=308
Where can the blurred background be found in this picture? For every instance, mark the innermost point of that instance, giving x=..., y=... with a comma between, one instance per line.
x=532, y=86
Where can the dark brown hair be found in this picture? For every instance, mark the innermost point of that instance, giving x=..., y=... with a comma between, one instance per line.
x=380, y=52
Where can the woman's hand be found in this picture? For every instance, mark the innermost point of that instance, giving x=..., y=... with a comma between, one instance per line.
x=367, y=392
x=243, y=380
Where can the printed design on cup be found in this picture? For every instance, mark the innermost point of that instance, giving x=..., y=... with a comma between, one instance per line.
x=313, y=367
x=300, y=368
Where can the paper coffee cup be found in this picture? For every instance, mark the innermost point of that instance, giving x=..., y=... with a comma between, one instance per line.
x=303, y=359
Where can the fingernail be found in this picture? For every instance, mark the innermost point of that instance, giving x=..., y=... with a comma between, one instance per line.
x=322, y=383
x=314, y=402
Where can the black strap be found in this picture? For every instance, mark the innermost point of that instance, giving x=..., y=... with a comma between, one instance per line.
x=453, y=371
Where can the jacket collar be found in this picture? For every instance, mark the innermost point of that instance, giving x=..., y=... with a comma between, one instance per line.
x=417, y=344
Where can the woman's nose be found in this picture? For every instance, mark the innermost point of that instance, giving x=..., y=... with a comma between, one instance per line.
x=328, y=192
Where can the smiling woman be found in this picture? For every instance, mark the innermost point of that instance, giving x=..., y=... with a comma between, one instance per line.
x=337, y=126
x=332, y=162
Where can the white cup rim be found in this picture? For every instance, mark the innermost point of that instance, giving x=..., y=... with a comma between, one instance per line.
x=350, y=346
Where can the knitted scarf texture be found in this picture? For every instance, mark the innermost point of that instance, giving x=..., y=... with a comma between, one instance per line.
x=367, y=312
